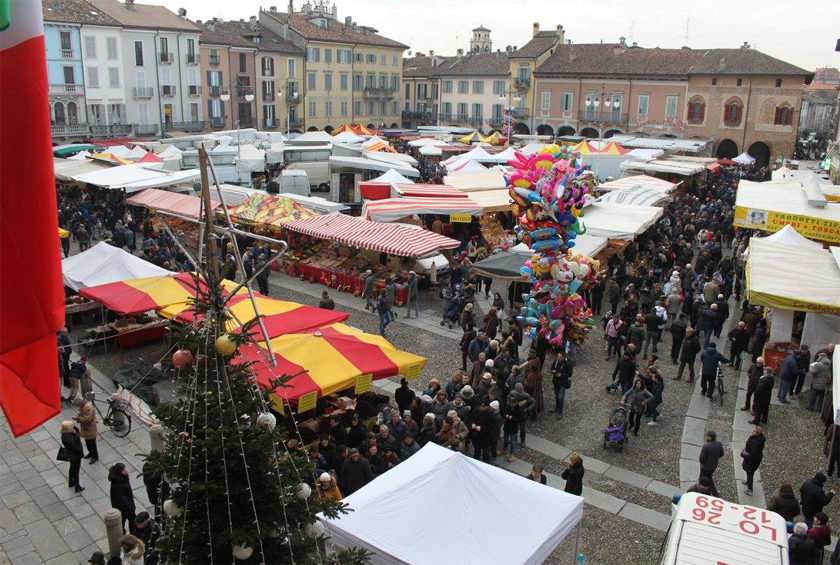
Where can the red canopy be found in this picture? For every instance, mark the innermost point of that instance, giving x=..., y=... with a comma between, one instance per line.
x=726, y=162
x=182, y=204
x=150, y=158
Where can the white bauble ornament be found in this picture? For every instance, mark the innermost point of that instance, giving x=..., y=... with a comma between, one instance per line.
x=303, y=491
x=242, y=552
x=314, y=530
x=266, y=421
x=172, y=509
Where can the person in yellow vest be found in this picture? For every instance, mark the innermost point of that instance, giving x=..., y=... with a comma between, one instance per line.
x=327, y=487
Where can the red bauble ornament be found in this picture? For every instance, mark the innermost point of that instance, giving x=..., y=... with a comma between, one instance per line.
x=182, y=358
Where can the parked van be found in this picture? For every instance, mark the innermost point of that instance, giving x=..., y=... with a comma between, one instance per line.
x=707, y=530
x=294, y=182
x=315, y=160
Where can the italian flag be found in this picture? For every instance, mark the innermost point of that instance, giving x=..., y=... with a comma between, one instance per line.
x=31, y=295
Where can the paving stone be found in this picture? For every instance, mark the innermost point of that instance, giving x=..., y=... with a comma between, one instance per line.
x=28, y=513
x=41, y=462
x=62, y=559
x=602, y=500
x=47, y=541
x=18, y=468
x=9, y=487
x=100, y=505
x=94, y=526
x=694, y=430
x=28, y=446
x=595, y=465
x=646, y=516
x=26, y=474
x=33, y=483
x=15, y=543
x=629, y=477
x=79, y=507
x=55, y=512
x=550, y=448
x=18, y=552
x=698, y=407
x=689, y=470
x=664, y=489
x=68, y=525
x=689, y=451
x=39, y=435
x=46, y=499
x=78, y=540
x=8, y=520
x=54, y=477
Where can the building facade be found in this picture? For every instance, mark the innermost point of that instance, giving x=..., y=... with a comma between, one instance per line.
x=421, y=89
x=63, y=25
x=523, y=63
x=350, y=74
x=160, y=52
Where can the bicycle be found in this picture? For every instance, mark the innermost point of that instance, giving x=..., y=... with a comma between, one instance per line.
x=116, y=417
x=719, y=383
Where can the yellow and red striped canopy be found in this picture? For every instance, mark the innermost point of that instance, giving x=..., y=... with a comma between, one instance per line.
x=613, y=148
x=62, y=233
x=585, y=148
x=358, y=129
x=328, y=360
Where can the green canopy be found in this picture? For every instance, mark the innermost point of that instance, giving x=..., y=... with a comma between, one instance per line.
x=503, y=265
x=63, y=150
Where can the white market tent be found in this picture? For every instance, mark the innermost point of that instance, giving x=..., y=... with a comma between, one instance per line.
x=365, y=164
x=425, y=141
x=587, y=245
x=317, y=204
x=133, y=178
x=639, y=195
x=536, y=518
x=80, y=156
x=637, y=180
x=619, y=221
x=788, y=198
x=744, y=159
x=789, y=236
x=67, y=169
x=250, y=159
x=348, y=137
x=135, y=154
x=102, y=264
x=492, y=200
x=532, y=148
x=478, y=154
x=312, y=138
x=430, y=150
x=374, y=140
x=469, y=167
x=400, y=159
x=478, y=180
x=664, y=165
x=118, y=150
x=391, y=177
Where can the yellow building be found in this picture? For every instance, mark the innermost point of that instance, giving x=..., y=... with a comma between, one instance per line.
x=351, y=73
x=533, y=108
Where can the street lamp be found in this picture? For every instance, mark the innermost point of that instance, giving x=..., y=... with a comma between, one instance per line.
x=509, y=112
x=225, y=96
x=613, y=102
x=290, y=99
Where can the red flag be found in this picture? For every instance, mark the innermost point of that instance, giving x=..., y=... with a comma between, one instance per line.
x=31, y=295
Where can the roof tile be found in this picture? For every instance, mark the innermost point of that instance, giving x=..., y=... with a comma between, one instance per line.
x=743, y=61
x=75, y=12
x=610, y=58
x=538, y=45
x=335, y=31
x=145, y=16
x=238, y=34
x=478, y=64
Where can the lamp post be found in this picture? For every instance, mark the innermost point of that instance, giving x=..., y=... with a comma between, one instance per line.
x=225, y=96
x=291, y=97
x=609, y=102
x=508, y=113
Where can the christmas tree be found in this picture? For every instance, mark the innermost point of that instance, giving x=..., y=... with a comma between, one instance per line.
x=239, y=494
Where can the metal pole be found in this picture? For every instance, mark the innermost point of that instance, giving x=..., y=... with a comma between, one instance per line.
x=831, y=446
x=577, y=543
x=209, y=235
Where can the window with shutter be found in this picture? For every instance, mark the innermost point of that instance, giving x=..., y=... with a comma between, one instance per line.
x=702, y=112
x=777, y=117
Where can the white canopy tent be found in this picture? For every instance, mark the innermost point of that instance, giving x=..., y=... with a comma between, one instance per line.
x=532, y=148
x=362, y=163
x=312, y=137
x=392, y=177
x=102, y=264
x=477, y=180
x=469, y=167
x=536, y=518
x=118, y=150
x=431, y=150
x=133, y=178
x=789, y=236
x=348, y=137
x=135, y=154
x=80, y=156
x=744, y=159
x=637, y=180
x=424, y=141
x=587, y=245
x=250, y=159
x=619, y=221
x=374, y=140
x=639, y=195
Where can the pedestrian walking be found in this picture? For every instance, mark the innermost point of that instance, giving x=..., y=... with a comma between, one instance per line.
x=814, y=498
x=690, y=349
x=122, y=497
x=367, y=293
x=754, y=374
x=709, y=360
x=413, y=296
x=384, y=310
x=820, y=373
x=637, y=398
x=87, y=419
x=751, y=456
x=710, y=456
x=788, y=375
x=678, y=329
x=739, y=340
x=561, y=375
x=512, y=417
x=326, y=302
x=763, y=394
x=73, y=452
x=573, y=475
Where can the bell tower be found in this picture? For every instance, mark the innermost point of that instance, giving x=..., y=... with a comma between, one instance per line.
x=481, y=42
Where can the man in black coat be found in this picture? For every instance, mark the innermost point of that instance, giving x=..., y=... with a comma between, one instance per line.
x=739, y=340
x=761, y=399
x=690, y=349
x=754, y=451
x=403, y=395
x=481, y=430
x=710, y=455
x=804, y=361
x=355, y=473
x=678, y=329
x=814, y=498
x=754, y=374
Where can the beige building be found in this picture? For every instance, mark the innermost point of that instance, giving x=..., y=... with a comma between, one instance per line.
x=523, y=63
x=421, y=88
x=351, y=74
x=746, y=101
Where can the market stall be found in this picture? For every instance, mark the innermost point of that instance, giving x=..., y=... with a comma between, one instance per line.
x=637, y=195
x=618, y=221
x=637, y=180
x=796, y=282
x=156, y=200
x=265, y=211
x=134, y=178
x=477, y=180
x=393, y=209
x=328, y=360
x=103, y=264
x=536, y=519
x=770, y=206
x=425, y=191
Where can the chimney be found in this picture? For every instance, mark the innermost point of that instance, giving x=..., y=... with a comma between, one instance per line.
x=211, y=25
x=623, y=42
x=129, y=5
x=431, y=53
x=182, y=13
x=286, y=30
x=291, y=6
x=722, y=65
x=561, y=35
x=460, y=52
x=273, y=9
x=348, y=21
x=746, y=45
x=635, y=44
x=253, y=22
x=198, y=22
x=536, y=28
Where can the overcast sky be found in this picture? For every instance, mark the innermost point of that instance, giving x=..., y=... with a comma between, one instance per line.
x=803, y=33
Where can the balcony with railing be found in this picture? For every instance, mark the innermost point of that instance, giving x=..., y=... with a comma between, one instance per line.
x=602, y=117
x=268, y=97
x=192, y=58
x=113, y=130
x=215, y=60
x=217, y=122
x=269, y=123
x=522, y=83
x=194, y=90
x=167, y=58
x=243, y=91
x=427, y=116
x=521, y=113
x=145, y=129
x=445, y=117
x=66, y=88
x=496, y=121
x=294, y=122
x=143, y=93
x=66, y=53
x=378, y=93
x=67, y=130
x=167, y=90
x=215, y=90
x=246, y=122
x=195, y=126
x=475, y=121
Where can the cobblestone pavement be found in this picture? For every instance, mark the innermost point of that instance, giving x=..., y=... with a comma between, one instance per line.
x=42, y=521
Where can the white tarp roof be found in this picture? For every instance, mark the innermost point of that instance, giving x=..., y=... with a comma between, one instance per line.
x=470, y=167
x=533, y=518
x=532, y=148
x=118, y=150
x=67, y=169
x=134, y=178
x=80, y=156
x=684, y=168
x=392, y=177
x=789, y=236
x=136, y=153
x=250, y=159
x=102, y=264
x=785, y=197
x=430, y=150
x=424, y=141
x=387, y=157
x=639, y=153
x=233, y=195
x=619, y=221
x=686, y=145
x=312, y=137
x=372, y=165
x=348, y=137
x=480, y=180
x=637, y=180
x=587, y=245
x=316, y=203
x=477, y=154
x=638, y=195
x=744, y=159
x=374, y=140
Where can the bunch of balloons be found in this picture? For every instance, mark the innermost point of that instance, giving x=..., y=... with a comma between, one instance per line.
x=548, y=190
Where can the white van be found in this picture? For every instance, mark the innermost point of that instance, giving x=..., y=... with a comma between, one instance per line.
x=706, y=530
x=318, y=173
x=294, y=182
x=315, y=160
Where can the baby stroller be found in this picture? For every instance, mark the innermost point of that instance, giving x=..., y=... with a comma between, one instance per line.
x=616, y=432
x=452, y=315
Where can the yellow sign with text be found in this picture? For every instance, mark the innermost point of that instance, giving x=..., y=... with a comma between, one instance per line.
x=363, y=383
x=307, y=402
x=460, y=218
x=413, y=372
x=277, y=404
x=813, y=228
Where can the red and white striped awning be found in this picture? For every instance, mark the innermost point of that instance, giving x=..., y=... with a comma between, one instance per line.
x=426, y=191
x=376, y=236
x=182, y=204
x=392, y=209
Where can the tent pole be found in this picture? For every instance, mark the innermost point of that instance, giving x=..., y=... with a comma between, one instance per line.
x=577, y=543
x=830, y=447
